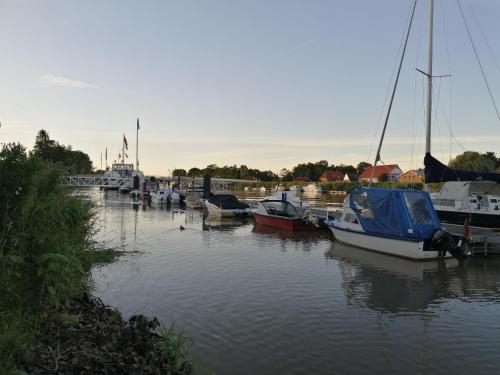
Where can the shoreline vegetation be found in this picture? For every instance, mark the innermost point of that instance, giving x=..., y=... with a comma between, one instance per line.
x=49, y=321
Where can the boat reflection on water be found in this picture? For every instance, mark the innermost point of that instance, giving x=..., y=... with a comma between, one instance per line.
x=286, y=234
x=223, y=223
x=396, y=285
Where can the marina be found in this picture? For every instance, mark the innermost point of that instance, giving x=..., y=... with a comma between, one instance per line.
x=284, y=296
x=262, y=209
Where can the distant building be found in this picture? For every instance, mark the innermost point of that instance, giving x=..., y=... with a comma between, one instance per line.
x=332, y=176
x=301, y=178
x=392, y=171
x=413, y=176
x=350, y=177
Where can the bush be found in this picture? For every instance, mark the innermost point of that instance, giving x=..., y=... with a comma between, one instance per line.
x=45, y=247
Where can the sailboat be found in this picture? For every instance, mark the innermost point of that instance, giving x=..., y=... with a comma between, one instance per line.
x=465, y=195
x=394, y=221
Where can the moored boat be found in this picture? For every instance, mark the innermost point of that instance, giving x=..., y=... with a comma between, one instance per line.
x=313, y=188
x=226, y=205
x=282, y=214
x=291, y=196
x=193, y=202
x=164, y=196
x=474, y=201
x=396, y=222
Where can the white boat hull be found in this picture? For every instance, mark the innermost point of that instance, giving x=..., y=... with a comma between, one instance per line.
x=216, y=211
x=400, y=248
x=163, y=199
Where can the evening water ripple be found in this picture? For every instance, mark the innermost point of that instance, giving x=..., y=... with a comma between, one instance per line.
x=258, y=300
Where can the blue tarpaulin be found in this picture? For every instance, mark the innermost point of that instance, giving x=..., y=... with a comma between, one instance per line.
x=406, y=214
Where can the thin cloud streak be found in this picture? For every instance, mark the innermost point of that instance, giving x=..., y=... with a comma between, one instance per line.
x=295, y=48
x=51, y=80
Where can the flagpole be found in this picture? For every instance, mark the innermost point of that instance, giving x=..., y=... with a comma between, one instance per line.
x=101, y=161
x=123, y=149
x=137, y=147
x=106, y=157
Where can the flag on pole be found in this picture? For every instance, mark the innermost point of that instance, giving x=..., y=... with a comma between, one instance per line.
x=138, y=127
x=125, y=142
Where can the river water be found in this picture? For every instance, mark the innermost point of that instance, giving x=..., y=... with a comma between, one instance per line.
x=258, y=300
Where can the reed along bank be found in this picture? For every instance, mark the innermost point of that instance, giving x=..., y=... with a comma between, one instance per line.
x=49, y=321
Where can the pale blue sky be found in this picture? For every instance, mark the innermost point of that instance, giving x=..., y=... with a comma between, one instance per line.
x=267, y=83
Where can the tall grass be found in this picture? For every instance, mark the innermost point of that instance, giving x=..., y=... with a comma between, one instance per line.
x=45, y=248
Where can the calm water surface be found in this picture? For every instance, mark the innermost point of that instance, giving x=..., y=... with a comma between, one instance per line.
x=258, y=300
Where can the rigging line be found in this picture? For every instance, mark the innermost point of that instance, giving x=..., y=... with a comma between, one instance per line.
x=415, y=75
x=448, y=56
x=478, y=60
x=377, y=157
x=387, y=93
x=485, y=39
x=435, y=121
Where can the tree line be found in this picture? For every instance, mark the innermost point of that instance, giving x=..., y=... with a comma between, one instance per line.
x=311, y=171
x=49, y=150
x=78, y=162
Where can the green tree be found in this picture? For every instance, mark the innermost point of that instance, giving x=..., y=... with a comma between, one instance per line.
x=361, y=167
x=286, y=175
x=474, y=161
x=384, y=177
x=179, y=172
x=51, y=151
x=194, y=172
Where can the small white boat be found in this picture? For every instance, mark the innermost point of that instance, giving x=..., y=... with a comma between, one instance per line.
x=226, y=205
x=313, y=188
x=164, y=196
x=295, y=188
x=194, y=202
x=262, y=189
x=475, y=201
x=395, y=222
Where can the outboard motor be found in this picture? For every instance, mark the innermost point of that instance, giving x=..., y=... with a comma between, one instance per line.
x=444, y=242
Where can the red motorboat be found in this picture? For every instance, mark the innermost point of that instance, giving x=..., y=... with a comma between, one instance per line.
x=283, y=214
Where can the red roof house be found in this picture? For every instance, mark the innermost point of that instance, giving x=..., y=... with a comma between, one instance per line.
x=329, y=176
x=301, y=178
x=391, y=170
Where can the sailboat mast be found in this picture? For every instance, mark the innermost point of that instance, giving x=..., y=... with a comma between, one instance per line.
x=429, y=79
x=377, y=156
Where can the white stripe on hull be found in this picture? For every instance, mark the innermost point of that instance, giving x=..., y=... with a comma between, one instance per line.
x=215, y=211
x=405, y=249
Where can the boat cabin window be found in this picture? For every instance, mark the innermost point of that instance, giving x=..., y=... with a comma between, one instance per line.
x=362, y=205
x=473, y=200
x=493, y=200
x=417, y=209
x=351, y=218
x=280, y=208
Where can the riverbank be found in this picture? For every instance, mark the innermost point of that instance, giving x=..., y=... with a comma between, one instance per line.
x=49, y=323
x=87, y=337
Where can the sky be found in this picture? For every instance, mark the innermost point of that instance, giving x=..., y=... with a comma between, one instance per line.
x=268, y=84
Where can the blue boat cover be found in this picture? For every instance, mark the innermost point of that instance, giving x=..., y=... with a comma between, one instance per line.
x=406, y=214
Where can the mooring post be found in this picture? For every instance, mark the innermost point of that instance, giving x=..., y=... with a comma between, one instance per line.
x=207, y=186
